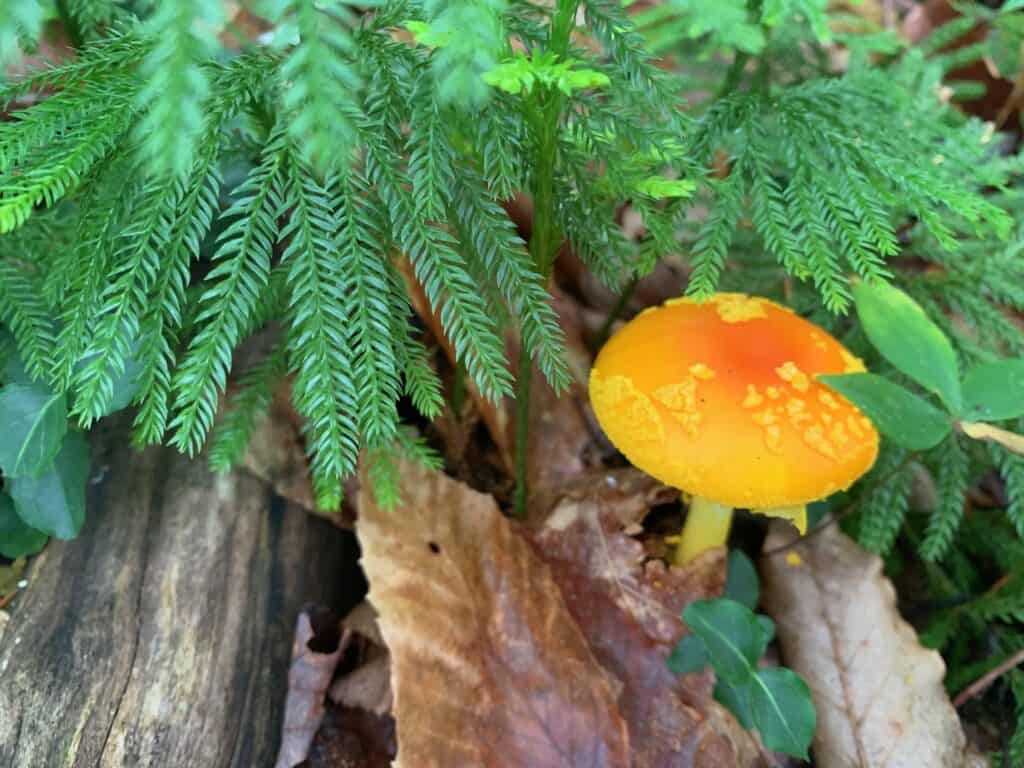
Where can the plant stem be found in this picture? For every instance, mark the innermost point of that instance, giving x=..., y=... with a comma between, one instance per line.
x=546, y=109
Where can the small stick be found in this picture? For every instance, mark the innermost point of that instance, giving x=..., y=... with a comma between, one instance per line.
x=982, y=683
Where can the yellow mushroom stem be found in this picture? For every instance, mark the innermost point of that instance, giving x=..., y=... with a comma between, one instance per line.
x=707, y=526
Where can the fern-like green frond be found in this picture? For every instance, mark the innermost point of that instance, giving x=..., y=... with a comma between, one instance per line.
x=484, y=226
x=24, y=310
x=322, y=84
x=175, y=83
x=244, y=408
x=366, y=287
x=240, y=273
x=136, y=261
x=442, y=273
x=20, y=22
x=884, y=504
x=324, y=391
x=953, y=467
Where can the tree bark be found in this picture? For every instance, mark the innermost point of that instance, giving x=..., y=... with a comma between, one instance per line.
x=162, y=635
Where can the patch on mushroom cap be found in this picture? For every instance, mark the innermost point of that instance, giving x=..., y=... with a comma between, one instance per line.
x=738, y=307
x=638, y=420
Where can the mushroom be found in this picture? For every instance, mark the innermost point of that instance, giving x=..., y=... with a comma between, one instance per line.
x=719, y=399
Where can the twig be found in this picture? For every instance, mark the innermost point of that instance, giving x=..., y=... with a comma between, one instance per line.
x=982, y=683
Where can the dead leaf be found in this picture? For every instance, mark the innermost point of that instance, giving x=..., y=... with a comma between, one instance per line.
x=5, y=619
x=277, y=455
x=488, y=666
x=878, y=693
x=353, y=738
x=315, y=653
x=497, y=417
x=367, y=685
x=630, y=610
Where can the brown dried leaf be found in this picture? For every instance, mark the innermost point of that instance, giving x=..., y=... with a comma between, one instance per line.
x=315, y=654
x=630, y=611
x=277, y=455
x=353, y=738
x=877, y=692
x=488, y=666
x=368, y=685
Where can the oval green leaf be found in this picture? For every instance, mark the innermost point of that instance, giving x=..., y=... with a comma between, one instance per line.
x=783, y=711
x=34, y=421
x=733, y=636
x=741, y=581
x=994, y=391
x=908, y=339
x=55, y=502
x=689, y=655
x=16, y=538
x=900, y=415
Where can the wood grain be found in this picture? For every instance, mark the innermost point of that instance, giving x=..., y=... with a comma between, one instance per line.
x=161, y=637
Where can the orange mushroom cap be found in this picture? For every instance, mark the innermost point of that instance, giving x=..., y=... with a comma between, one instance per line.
x=718, y=398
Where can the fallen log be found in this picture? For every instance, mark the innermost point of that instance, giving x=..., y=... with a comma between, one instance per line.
x=162, y=635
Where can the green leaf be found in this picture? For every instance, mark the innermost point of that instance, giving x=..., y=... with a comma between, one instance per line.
x=659, y=186
x=689, y=655
x=424, y=34
x=774, y=701
x=55, y=502
x=16, y=538
x=900, y=415
x=908, y=339
x=734, y=638
x=34, y=422
x=736, y=698
x=782, y=710
x=994, y=391
x=741, y=582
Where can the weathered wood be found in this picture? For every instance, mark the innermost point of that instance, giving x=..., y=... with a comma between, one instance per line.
x=161, y=637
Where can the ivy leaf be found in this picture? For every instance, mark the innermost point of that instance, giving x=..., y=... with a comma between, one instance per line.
x=782, y=710
x=741, y=582
x=776, y=702
x=994, y=391
x=907, y=338
x=55, y=502
x=16, y=538
x=689, y=655
x=734, y=638
x=900, y=415
x=34, y=421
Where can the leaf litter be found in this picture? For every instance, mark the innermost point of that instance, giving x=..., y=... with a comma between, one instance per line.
x=542, y=642
x=878, y=693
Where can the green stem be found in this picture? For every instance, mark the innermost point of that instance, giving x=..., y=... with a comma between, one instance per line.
x=732, y=77
x=546, y=109
x=459, y=390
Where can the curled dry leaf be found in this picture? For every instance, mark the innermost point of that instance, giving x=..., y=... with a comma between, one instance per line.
x=315, y=653
x=488, y=666
x=878, y=693
x=630, y=611
x=367, y=685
